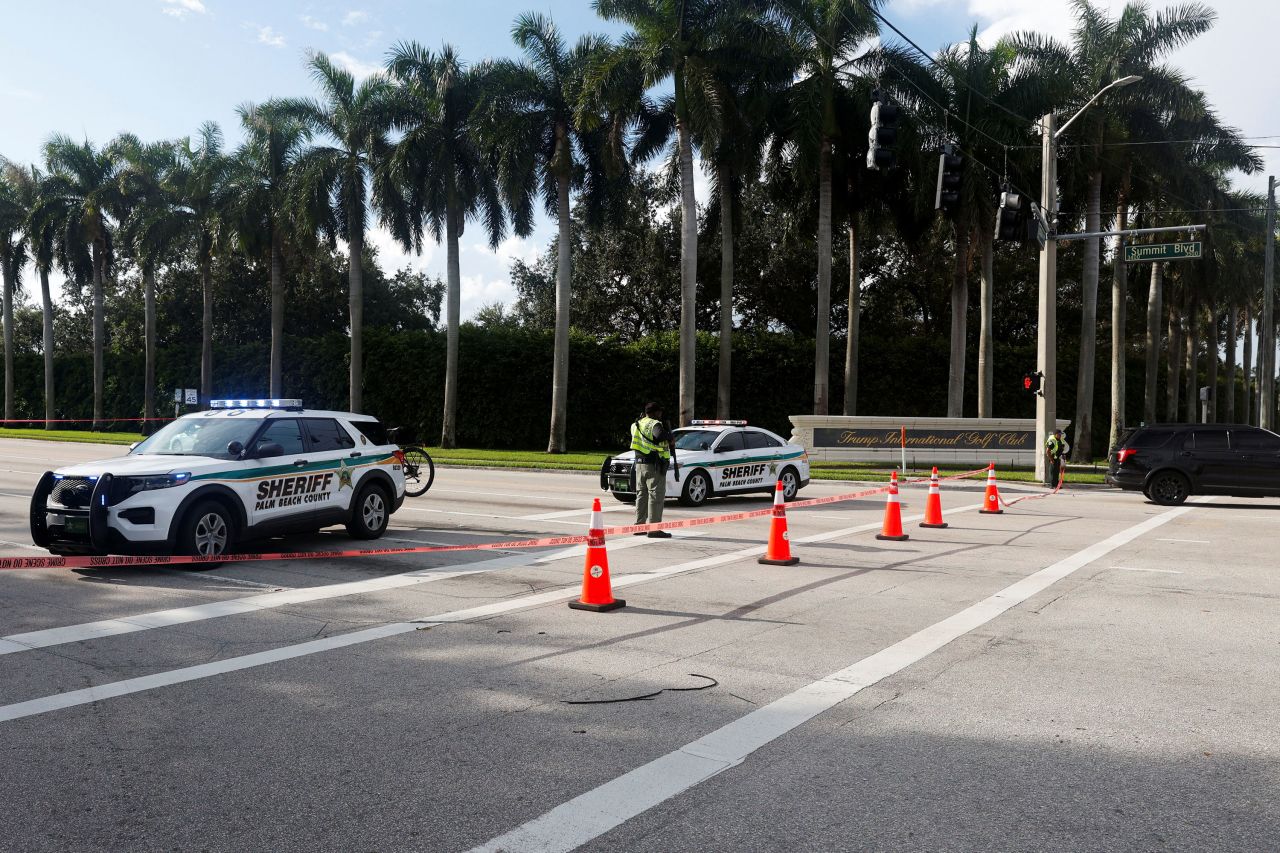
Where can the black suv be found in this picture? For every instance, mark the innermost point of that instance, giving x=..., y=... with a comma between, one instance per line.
x=1169, y=462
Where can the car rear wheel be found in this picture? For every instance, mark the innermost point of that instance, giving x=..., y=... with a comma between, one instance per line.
x=370, y=513
x=790, y=484
x=697, y=488
x=1168, y=488
x=207, y=531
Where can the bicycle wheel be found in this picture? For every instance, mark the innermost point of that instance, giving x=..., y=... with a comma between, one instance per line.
x=419, y=471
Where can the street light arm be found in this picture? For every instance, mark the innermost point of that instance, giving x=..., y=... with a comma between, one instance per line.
x=1123, y=81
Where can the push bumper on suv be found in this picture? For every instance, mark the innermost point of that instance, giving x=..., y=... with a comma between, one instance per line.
x=74, y=515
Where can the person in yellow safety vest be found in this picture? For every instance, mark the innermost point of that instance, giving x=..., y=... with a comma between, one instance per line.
x=1054, y=450
x=651, y=441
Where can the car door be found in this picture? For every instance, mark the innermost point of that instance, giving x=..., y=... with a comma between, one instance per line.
x=329, y=452
x=726, y=467
x=1258, y=454
x=763, y=451
x=1207, y=454
x=270, y=495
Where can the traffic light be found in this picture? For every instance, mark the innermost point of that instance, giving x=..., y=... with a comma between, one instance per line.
x=1032, y=382
x=949, y=163
x=884, y=132
x=1009, y=218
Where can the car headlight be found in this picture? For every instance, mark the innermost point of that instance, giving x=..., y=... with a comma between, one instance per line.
x=157, y=481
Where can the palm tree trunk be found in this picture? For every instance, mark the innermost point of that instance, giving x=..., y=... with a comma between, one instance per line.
x=855, y=319
x=1191, y=367
x=149, y=345
x=986, y=346
x=355, y=306
x=725, y=371
x=453, y=314
x=99, y=330
x=1119, y=307
x=1229, y=367
x=7, y=272
x=822, y=335
x=1082, y=450
x=959, y=318
x=688, y=275
x=277, y=316
x=1154, y=296
x=1246, y=366
x=206, y=325
x=46, y=305
x=1211, y=349
x=560, y=358
x=1258, y=373
x=1173, y=380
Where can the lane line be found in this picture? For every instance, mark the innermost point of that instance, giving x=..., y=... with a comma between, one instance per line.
x=26, y=545
x=41, y=639
x=1135, y=569
x=127, y=686
x=1189, y=541
x=547, y=516
x=601, y=809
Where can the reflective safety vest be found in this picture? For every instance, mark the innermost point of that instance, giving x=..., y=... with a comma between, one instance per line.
x=1054, y=446
x=642, y=441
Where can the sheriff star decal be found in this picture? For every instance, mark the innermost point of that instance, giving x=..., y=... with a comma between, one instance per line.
x=344, y=476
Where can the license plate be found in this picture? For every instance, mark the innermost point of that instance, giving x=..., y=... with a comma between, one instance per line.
x=77, y=525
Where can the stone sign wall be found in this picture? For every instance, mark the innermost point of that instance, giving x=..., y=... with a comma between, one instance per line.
x=929, y=441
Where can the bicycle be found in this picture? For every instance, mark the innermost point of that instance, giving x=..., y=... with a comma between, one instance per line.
x=419, y=470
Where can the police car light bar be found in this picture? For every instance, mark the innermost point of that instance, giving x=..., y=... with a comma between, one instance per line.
x=255, y=404
x=717, y=423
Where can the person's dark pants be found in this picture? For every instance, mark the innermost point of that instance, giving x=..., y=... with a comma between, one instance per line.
x=1052, y=472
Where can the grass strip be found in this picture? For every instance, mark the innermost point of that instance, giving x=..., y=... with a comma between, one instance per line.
x=81, y=435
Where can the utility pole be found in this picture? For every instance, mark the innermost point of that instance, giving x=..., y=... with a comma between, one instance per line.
x=1266, y=382
x=1047, y=319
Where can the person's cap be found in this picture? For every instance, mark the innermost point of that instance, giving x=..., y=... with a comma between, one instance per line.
x=650, y=408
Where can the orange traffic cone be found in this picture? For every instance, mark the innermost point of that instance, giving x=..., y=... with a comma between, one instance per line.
x=892, y=529
x=779, y=551
x=991, y=501
x=597, y=594
x=933, y=504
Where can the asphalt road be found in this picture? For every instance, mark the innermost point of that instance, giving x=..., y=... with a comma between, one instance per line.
x=1084, y=672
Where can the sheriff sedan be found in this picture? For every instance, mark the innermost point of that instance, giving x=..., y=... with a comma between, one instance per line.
x=718, y=458
x=243, y=470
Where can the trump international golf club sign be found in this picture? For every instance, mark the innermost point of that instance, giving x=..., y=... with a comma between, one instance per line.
x=922, y=441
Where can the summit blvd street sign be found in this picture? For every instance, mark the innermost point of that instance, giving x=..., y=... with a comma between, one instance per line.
x=1163, y=251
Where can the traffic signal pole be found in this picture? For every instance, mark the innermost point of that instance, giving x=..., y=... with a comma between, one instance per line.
x=1047, y=318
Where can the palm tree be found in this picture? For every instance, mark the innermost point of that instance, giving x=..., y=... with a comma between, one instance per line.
x=42, y=231
x=260, y=180
x=84, y=185
x=13, y=257
x=445, y=173
x=332, y=182
x=531, y=115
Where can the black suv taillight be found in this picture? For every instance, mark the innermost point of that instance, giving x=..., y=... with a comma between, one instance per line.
x=1125, y=453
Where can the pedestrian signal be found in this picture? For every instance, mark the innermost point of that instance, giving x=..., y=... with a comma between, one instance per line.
x=1033, y=382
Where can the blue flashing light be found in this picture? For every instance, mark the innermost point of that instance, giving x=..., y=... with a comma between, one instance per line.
x=273, y=403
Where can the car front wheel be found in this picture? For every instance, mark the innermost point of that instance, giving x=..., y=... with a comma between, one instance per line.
x=697, y=488
x=207, y=531
x=1168, y=488
x=370, y=513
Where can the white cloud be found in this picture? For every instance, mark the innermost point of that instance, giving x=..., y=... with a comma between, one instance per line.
x=22, y=94
x=270, y=37
x=312, y=24
x=356, y=16
x=182, y=8
x=391, y=255
x=479, y=291
x=356, y=67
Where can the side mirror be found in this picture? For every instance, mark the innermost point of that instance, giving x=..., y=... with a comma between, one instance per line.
x=134, y=446
x=235, y=448
x=706, y=445
x=269, y=450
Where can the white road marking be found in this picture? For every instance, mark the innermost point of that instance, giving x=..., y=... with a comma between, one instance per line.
x=26, y=545
x=1135, y=569
x=84, y=696
x=1189, y=541
x=198, y=613
x=210, y=576
x=597, y=811
x=490, y=515
x=547, y=516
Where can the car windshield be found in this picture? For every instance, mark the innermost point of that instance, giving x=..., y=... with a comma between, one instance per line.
x=199, y=437
x=695, y=439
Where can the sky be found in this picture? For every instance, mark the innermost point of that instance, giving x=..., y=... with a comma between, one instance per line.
x=159, y=68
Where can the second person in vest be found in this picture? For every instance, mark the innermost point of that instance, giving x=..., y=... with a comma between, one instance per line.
x=651, y=441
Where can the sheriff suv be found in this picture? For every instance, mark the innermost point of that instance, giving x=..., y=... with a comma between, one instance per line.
x=245, y=469
x=1170, y=462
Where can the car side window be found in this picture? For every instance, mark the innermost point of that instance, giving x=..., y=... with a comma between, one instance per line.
x=729, y=442
x=758, y=441
x=374, y=431
x=1207, y=440
x=285, y=432
x=1255, y=440
x=326, y=434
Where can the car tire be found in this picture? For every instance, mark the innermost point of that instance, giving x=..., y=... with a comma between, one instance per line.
x=697, y=489
x=208, y=530
x=370, y=513
x=626, y=499
x=790, y=483
x=1168, y=488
